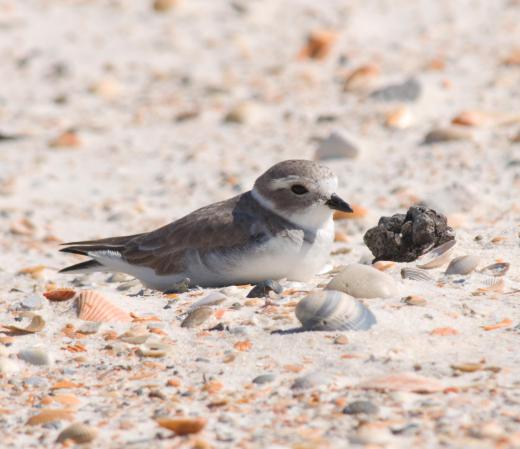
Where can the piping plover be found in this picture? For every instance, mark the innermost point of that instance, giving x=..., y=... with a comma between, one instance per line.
x=282, y=228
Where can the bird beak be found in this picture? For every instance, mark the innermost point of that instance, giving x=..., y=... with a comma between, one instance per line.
x=336, y=203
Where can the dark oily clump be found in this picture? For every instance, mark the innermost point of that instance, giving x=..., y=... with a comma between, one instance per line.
x=403, y=238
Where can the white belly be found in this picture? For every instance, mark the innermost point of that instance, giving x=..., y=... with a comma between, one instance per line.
x=280, y=257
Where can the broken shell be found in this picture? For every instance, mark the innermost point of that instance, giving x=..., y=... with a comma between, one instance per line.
x=36, y=325
x=437, y=256
x=333, y=310
x=403, y=382
x=463, y=265
x=197, y=317
x=93, y=306
x=77, y=432
x=496, y=269
x=154, y=350
x=213, y=299
x=182, y=426
x=415, y=274
x=60, y=294
x=49, y=415
x=362, y=281
x=319, y=44
x=414, y=300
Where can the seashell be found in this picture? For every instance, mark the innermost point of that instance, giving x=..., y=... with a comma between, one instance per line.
x=437, y=256
x=154, y=349
x=35, y=356
x=496, y=269
x=197, y=317
x=463, y=265
x=492, y=284
x=361, y=281
x=414, y=300
x=403, y=382
x=136, y=335
x=319, y=44
x=60, y=294
x=415, y=274
x=36, y=325
x=182, y=426
x=164, y=5
x=400, y=118
x=373, y=433
x=89, y=328
x=333, y=310
x=362, y=77
x=49, y=415
x=93, y=306
x=213, y=299
x=77, y=432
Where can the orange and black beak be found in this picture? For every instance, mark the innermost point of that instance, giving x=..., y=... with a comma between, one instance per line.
x=336, y=203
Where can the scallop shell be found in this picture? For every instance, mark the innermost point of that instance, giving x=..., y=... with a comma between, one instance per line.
x=415, y=274
x=496, y=269
x=333, y=310
x=463, y=265
x=36, y=325
x=95, y=307
x=437, y=256
x=60, y=294
x=77, y=432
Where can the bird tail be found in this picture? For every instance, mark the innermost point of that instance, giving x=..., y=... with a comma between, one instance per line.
x=89, y=266
x=109, y=248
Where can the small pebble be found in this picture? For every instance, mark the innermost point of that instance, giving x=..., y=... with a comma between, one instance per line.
x=410, y=90
x=264, y=288
x=35, y=356
x=358, y=407
x=336, y=146
x=414, y=301
x=264, y=379
x=310, y=380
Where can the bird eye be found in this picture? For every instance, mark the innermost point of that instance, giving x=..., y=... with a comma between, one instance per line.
x=299, y=189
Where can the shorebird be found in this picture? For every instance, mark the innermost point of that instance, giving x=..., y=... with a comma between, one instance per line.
x=280, y=229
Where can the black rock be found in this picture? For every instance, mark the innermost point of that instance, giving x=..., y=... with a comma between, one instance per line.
x=264, y=379
x=357, y=407
x=410, y=90
x=403, y=238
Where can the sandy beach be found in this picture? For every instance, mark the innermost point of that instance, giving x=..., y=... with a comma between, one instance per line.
x=117, y=117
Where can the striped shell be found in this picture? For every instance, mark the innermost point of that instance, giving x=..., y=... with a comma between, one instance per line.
x=77, y=432
x=415, y=274
x=437, y=256
x=93, y=306
x=496, y=269
x=463, y=265
x=333, y=310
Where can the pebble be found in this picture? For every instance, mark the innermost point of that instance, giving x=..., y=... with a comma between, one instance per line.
x=341, y=340
x=451, y=134
x=197, y=316
x=362, y=281
x=33, y=302
x=358, y=407
x=36, y=381
x=35, y=356
x=310, y=380
x=410, y=90
x=336, y=146
x=264, y=379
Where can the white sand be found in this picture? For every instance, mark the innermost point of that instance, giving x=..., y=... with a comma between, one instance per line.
x=137, y=168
